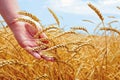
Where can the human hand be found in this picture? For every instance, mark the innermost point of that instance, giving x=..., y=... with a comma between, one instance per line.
x=24, y=34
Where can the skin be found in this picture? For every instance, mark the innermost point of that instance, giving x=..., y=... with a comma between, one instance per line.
x=22, y=31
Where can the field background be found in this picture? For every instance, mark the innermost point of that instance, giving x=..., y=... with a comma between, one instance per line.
x=81, y=52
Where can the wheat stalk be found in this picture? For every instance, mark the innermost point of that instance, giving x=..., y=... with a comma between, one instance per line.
x=96, y=11
x=55, y=17
x=97, y=27
x=113, y=22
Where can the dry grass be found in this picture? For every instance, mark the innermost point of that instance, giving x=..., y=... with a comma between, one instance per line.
x=77, y=56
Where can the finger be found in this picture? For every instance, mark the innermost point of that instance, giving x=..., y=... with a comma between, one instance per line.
x=43, y=35
x=36, y=55
x=33, y=53
x=46, y=57
x=31, y=29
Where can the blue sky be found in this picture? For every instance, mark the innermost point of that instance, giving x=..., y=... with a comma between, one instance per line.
x=72, y=12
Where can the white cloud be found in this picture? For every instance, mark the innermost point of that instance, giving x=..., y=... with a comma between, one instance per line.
x=80, y=6
x=67, y=2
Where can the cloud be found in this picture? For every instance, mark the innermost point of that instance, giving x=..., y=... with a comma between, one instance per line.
x=80, y=6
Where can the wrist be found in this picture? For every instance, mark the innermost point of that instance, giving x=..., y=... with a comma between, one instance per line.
x=13, y=21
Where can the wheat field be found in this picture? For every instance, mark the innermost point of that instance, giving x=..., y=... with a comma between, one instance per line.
x=77, y=56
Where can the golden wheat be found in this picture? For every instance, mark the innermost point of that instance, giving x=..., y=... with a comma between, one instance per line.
x=69, y=32
x=30, y=15
x=57, y=46
x=111, y=16
x=9, y=62
x=46, y=29
x=79, y=28
x=96, y=11
x=97, y=27
x=115, y=21
x=85, y=20
x=76, y=57
x=28, y=21
x=110, y=29
x=54, y=15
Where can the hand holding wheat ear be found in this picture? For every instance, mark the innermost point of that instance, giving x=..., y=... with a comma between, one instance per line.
x=24, y=34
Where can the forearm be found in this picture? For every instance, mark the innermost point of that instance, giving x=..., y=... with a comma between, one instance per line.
x=9, y=9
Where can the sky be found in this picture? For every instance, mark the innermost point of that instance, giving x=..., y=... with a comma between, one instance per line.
x=72, y=12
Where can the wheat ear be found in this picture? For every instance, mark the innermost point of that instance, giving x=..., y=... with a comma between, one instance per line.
x=111, y=16
x=69, y=32
x=57, y=46
x=54, y=15
x=29, y=15
x=44, y=30
x=27, y=20
x=85, y=20
x=96, y=11
x=9, y=62
x=79, y=28
x=110, y=29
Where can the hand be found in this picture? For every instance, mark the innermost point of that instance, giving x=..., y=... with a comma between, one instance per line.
x=24, y=34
